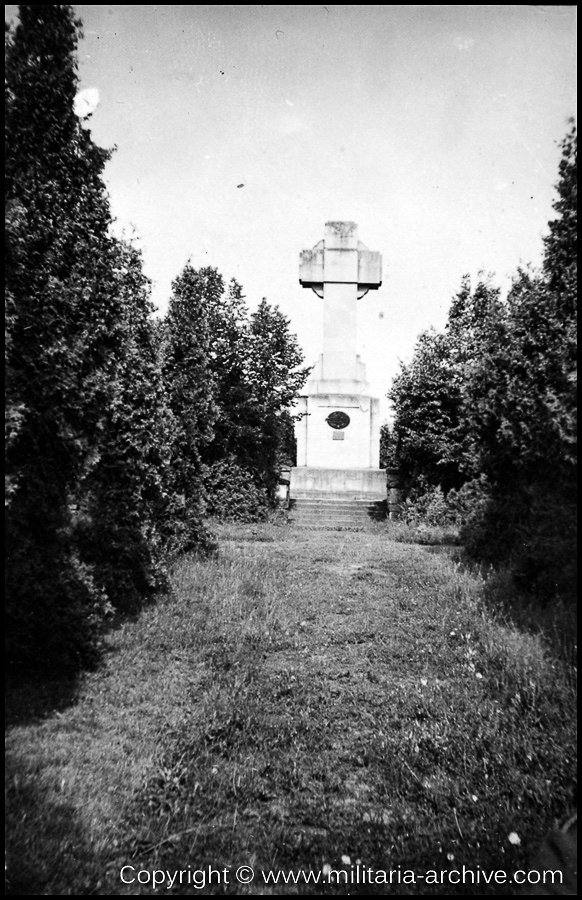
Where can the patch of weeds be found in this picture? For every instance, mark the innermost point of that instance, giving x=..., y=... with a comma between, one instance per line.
x=423, y=534
x=267, y=532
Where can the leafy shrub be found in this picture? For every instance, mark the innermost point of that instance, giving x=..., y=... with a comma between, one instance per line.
x=232, y=495
x=55, y=613
x=431, y=506
x=533, y=530
x=428, y=508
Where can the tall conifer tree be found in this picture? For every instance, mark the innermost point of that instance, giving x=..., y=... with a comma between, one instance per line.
x=64, y=332
x=186, y=339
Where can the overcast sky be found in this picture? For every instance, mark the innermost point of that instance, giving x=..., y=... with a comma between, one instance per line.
x=241, y=130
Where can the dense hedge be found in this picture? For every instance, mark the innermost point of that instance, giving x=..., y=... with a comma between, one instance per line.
x=123, y=434
x=493, y=397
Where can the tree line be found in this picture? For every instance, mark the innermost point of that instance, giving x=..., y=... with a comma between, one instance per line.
x=124, y=432
x=485, y=414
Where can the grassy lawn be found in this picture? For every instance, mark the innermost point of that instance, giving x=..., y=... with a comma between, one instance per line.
x=307, y=699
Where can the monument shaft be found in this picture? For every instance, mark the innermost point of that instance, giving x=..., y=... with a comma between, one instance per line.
x=340, y=332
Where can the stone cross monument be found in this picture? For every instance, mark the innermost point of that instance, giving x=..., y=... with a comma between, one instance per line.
x=338, y=438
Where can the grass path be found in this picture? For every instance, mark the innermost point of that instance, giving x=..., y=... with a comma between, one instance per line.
x=308, y=699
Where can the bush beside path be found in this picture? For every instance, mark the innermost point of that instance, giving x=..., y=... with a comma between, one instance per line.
x=307, y=700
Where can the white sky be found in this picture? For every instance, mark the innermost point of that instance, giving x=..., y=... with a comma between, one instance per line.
x=435, y=128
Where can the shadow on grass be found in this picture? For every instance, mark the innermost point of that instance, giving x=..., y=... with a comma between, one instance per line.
x=44, y=839
x=33, y=696
x=555, y=619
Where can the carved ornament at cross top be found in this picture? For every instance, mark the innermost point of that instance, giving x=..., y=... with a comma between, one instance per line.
x=340, y=258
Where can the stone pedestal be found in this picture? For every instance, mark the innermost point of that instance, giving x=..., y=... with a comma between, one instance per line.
x=357, y=445
x=352, y=484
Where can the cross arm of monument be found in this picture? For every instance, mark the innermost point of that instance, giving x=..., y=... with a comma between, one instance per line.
x=340, y=258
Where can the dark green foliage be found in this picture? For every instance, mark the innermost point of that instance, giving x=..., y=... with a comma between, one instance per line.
x=458, y=508
x=522, y=400
x=432, y=444
x=388, y=458
x=495, y=396
x=93, y=506
x=426, y=399
x=63, y=332
x=561, y=245
x=232, y=495
x=251, y=368
x=275, y=379
x=186, y=341
x=55, y=613
x=287, y=441
x=521, y=391
x=228, y=361
x=125, y=523
x=105, y=470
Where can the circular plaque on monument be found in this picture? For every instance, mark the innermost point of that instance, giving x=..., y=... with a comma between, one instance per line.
x=338, y=420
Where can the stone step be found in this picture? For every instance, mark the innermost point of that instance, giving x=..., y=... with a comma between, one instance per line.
x=332, y=523
x=333, y=520
x=339, y=520
x=318, y=514
x=338, y=513
x=344, y=501
x=337, y=506
x=344, y=496
x=329, y=526
x=329, y=513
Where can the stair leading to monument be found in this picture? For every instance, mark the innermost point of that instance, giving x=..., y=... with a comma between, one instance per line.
x=335, y=512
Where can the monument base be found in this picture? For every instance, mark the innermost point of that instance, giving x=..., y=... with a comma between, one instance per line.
x=307, y=482
x=356, y=446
